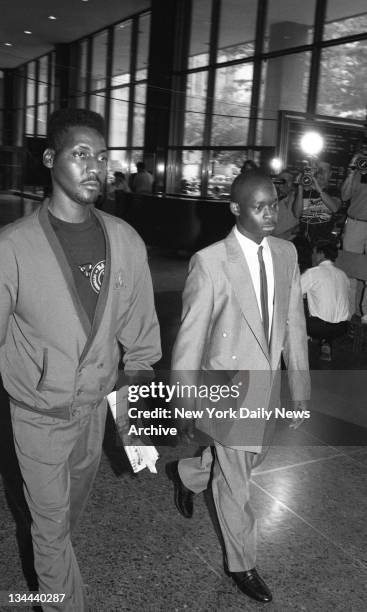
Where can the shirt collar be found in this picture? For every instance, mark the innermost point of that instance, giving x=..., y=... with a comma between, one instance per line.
x=248, y=244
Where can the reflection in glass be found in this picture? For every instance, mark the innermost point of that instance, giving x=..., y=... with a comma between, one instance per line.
x=200, y=33
x=195, y=108
x=342, y=92
x=117, y=161
x=284, y=86
x=97, y=103
x=139, y=115
x=42, y=120
x=29, y=120
x=289, y=24
x=31, y=83
x=119, y=111
x=143, y=43
x=237, y=29
x=232, y=99
x=189, y=179
x=82, y=71
x=99, y=57
x=223, y=168
x=121, y=54
x=42, y=80
x=345, y=19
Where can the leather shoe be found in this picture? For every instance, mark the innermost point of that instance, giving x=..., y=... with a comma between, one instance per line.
x=252, y=585
x=182, y=495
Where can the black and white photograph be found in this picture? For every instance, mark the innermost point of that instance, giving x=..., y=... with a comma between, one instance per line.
x=183, y=305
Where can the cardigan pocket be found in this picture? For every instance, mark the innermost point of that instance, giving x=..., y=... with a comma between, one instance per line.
x=43, y=371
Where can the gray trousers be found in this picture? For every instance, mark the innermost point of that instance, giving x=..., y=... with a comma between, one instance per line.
x=231, y=494
x=59, y=460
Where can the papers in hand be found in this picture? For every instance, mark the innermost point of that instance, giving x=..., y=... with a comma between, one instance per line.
x=140, y=455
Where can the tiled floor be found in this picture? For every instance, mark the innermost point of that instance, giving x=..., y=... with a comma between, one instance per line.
x=137, y=553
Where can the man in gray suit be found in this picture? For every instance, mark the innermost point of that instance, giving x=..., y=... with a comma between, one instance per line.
x=242, y=310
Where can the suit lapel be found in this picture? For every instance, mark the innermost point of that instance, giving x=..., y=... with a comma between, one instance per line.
x=281, y=299
x=240, y=278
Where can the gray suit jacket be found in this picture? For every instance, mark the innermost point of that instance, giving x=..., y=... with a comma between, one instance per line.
x=221, y=339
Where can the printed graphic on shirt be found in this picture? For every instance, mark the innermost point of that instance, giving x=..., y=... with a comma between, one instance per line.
x=94, y=273
x=315, y=211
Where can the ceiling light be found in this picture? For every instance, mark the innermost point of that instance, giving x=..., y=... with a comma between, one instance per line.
x=52, y=17
x=27, y=32
x=8, y=44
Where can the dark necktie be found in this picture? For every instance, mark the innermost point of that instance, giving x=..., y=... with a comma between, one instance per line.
x=263, y=293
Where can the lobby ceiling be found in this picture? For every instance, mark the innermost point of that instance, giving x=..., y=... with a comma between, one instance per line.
x=74, y=19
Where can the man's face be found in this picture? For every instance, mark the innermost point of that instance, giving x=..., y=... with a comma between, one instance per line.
x=258, y=211
x=79, y=166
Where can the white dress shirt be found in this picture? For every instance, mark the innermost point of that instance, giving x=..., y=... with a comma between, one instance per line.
x=250, y=249
x=327, y=290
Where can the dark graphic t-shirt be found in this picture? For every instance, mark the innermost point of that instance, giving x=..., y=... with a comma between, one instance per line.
x=85, y=249
x=314, y=209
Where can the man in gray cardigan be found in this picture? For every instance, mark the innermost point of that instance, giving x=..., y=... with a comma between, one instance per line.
x=75, y=288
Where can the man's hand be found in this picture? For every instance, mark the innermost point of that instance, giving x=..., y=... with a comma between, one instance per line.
x=186, y=429
x=298, y=406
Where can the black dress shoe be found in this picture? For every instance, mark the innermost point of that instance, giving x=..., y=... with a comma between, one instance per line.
x=252, y=585
x=182, y=495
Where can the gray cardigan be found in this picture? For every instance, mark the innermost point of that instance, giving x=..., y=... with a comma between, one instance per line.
x=51, y=358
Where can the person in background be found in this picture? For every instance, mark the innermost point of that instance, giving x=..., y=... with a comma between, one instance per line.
x=327, y=290
x=142, y=181
x=287, y=225
x=75, y=289
x=354, y=189
x=248, y=165
x=316, y=204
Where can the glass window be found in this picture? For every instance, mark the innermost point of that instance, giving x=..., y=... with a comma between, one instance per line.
x=117, y=161
x=42, y=120
x=139, y=115
x=82, y=72
x=284, y=86
x=200, y=33
x=143, y=46
x=237, y=29
x=52, y=83
x=43, y=79
x=232, y=99
x=189, y=181
x=119, y=112
x=345, y=18
x=99, y=57
x=97, y=103
x=121, y=54
x=29, y=120
x=289, y=24
x=196, y=89
x=31, y=83
x=342, y=92
x=223, y=168
x=1, y=105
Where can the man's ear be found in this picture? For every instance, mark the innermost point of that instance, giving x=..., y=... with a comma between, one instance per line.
x=48, y=158
x=234, y=208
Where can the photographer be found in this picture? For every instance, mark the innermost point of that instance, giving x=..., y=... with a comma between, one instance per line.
x=354, y=189
x=287, y=225
x=316, y=202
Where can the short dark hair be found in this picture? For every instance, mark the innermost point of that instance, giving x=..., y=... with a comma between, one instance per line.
x=64, y=118
x=328, y=248
x=246, y=181
x=140, y=166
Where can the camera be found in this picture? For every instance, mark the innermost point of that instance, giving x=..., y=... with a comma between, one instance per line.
x=307, y=176
x=360, y=164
